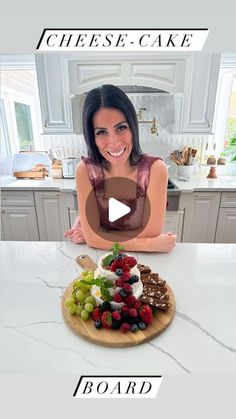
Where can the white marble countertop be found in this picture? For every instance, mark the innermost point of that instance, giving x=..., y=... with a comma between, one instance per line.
x=201, y=183
x=197, y=183
x=35, y=339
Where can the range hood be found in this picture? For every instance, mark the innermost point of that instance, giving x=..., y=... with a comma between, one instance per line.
x=133, y=88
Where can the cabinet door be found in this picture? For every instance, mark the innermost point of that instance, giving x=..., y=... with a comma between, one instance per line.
x=200, y=219
x=174, y=223
x=226, y=227
x=19, y=223
x=200, y=92
x=51, y=216
x=53, y=84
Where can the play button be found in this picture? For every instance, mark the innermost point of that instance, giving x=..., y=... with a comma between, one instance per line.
x=116, y=209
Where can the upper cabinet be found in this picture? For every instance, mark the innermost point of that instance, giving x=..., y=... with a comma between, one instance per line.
x=64, y=78
x=54, y=93
x=201, y=79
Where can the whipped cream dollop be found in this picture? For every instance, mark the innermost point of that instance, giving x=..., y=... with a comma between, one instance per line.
x=101, y=271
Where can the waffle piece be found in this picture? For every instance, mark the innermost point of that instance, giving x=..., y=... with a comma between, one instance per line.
x=162, y=305
x=143, y=269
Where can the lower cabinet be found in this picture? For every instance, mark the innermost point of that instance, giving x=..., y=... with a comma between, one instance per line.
x=52, y=222
x=226, y=226
x=200, y=216
x=19, y=223
x=174, y=223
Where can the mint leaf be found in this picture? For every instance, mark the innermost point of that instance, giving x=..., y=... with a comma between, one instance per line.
x=116, y=248
x=108, y=284
x=107, y=260
x=105, y=293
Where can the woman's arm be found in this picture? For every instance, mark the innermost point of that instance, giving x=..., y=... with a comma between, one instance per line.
x=161, y=243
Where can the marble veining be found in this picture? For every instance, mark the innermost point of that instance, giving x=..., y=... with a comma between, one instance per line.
x=35, y=339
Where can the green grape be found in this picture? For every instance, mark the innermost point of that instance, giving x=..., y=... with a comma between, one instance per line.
x=80, y=295
x=89, y=299
x=84, y=315
x=79, y=309
x=69, y=301
x=72, y=309
x=86, y=295
x=84, y=273
x=77, y=283
x=89, y=307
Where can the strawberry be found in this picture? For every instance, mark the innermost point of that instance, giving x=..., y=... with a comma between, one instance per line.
x=106, y=320
x=145, y=313
x=96, y=314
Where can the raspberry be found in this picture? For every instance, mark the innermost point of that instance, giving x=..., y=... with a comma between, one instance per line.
x=119, y=283
x=131, y=261
x=96, y=314
x=137, y=304
x=133, y=312
x=128, y=288
x=125, y=327
x=126, y=276
x=106, y=319
x=126, y=267
x=145, y=313
x=117, y=298
x=125, y=308
x=116, y=315
x=130, y=300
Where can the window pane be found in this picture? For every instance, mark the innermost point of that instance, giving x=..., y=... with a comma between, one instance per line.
x=231, y=122
x=24, y=125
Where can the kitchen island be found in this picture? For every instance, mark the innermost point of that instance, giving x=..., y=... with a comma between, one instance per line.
x=35, y=339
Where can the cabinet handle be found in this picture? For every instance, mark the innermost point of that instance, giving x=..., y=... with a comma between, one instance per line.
x=45, y=124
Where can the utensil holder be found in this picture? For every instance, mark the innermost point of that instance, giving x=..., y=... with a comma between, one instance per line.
x=185, y=171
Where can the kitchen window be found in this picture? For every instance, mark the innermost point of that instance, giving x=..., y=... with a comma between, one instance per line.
x=20, y=120
x=224, y=125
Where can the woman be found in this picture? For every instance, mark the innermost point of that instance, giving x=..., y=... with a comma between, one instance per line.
x=110, y=129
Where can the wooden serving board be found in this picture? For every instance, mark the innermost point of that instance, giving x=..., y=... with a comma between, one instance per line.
x=110, y=337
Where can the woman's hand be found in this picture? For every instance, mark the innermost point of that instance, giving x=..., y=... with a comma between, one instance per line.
x=75, y=234
x=162, y=243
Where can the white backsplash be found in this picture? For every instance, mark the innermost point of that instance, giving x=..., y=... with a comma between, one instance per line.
x=166, y=110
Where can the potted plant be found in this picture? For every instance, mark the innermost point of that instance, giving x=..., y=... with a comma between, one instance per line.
x=230, y=150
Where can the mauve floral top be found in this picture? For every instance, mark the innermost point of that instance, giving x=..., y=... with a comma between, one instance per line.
x=134, y=218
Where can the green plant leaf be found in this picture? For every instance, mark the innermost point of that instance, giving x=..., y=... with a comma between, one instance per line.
x=107, y=260
x=105, y=293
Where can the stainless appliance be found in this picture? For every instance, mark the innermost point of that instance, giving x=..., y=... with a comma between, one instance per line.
x=69, y=167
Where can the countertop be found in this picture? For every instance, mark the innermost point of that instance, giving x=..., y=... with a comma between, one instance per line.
x=201, y=183
x=197, y=183
x=35, y=339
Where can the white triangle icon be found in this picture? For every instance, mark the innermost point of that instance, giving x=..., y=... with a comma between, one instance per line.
x=116, y=210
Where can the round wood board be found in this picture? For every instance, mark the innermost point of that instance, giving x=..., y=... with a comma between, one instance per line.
x=115, y=338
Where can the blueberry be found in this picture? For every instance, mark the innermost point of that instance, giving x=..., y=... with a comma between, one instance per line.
x=119, y=257
x=119, y=271
x=115, y=324
x=98, y=324
x=134, y=278
x=142, y=326
x=123, y=293
x=134, y=328
x=106, y=306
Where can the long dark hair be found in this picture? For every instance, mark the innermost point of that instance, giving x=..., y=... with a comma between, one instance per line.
x=109, y=96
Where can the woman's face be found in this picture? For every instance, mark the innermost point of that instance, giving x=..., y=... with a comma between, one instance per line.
x=112, y=135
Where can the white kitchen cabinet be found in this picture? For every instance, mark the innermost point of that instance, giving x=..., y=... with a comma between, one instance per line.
x=174, y=223
x=201, y=79
x=167, y=72
x=52, y=216
x=226, y=226
x=200, y=216
x=54, y=94
x=18, y=217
